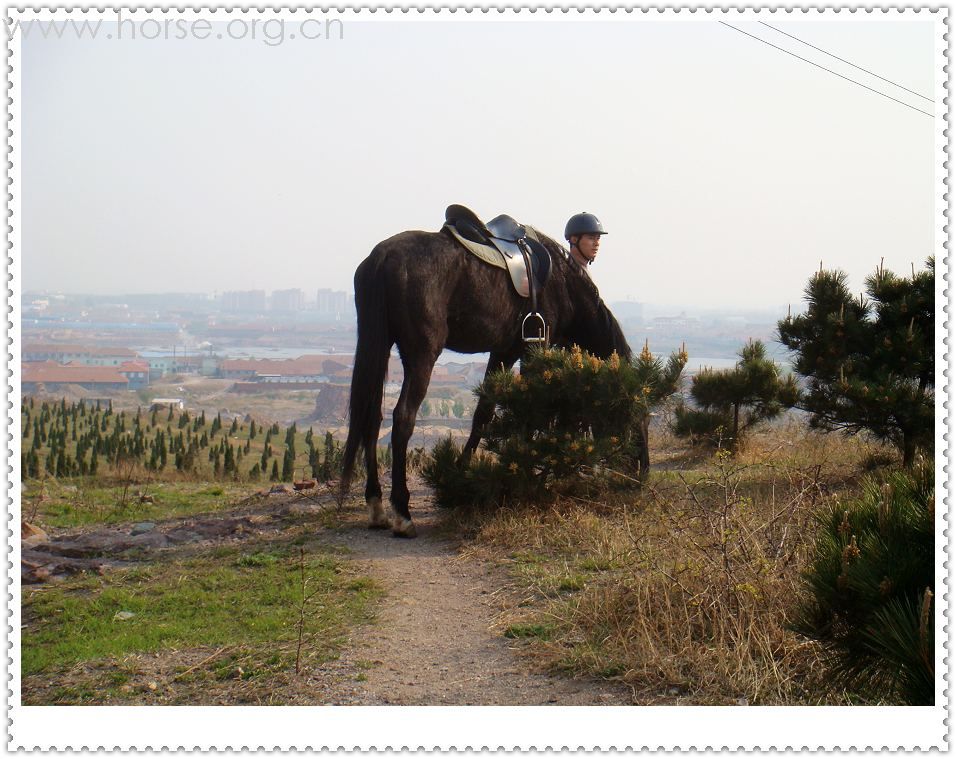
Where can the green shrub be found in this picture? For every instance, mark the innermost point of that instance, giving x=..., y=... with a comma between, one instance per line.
x=732, y=401
x=869, y=588
x=568, y=416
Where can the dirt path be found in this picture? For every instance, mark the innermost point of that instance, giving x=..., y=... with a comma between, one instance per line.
x=438, y=637
x=437, y=641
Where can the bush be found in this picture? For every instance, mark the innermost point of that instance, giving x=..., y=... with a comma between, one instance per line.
x=732, y=401
x=567, y=417
x=869, y=588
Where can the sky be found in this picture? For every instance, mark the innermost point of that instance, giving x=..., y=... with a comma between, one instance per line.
x=724, y=170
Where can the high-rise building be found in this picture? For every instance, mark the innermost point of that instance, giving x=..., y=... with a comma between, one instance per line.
x=333, y=304
x=288, y=300
x=244, y=301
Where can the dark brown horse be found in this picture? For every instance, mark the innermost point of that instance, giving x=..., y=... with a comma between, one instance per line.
x=423, y=292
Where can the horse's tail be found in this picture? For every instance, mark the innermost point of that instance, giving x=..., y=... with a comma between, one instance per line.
x=371, y=363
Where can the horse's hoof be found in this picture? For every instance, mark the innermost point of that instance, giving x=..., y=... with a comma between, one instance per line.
x=403, y=528
x=376, y=515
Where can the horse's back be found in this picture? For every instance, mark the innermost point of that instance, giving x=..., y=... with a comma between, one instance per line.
x=435, y=288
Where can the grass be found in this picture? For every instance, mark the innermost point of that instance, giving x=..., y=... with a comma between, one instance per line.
x=87, y=501
x=682, y=590
x=223, y=597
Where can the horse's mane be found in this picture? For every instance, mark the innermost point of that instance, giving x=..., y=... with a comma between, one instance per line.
x=579, y=280
x=561, y=257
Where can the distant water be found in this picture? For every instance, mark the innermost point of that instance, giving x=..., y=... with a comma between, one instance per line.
x=279, y=354
x=694, y=364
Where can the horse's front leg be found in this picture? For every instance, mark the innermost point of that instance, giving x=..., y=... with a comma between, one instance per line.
x=485, y=408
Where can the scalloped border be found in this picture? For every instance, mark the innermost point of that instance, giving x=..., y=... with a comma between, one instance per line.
x=11, y=422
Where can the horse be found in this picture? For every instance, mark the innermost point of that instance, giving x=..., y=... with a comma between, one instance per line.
x=423, y=292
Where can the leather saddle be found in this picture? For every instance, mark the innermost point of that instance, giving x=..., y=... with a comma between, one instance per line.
x=505, y=236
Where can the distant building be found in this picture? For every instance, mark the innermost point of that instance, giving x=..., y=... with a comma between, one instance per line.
x=629, y=311
x=332, y=304
x=50, y=376
x=136, y=373
x=288, y=300
x=163, y=404
x=77, y=354
x=244, y=301
x=683, y=321
x=304, y=369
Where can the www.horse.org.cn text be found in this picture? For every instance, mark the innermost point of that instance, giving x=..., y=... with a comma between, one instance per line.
x=272, y=31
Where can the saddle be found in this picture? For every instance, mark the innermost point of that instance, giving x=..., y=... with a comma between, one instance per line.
x=500, y=243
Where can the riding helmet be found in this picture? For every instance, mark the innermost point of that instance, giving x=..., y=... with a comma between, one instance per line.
x=583, y=224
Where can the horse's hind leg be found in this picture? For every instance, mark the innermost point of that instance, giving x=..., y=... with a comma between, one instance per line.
x=373, y=488
x=417, y=375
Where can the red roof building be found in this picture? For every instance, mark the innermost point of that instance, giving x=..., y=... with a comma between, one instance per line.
x=52, y=375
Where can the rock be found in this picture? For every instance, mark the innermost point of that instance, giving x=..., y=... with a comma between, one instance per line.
x=32, y=535
x=279, y=489
x=122, y=616
x=143, y=527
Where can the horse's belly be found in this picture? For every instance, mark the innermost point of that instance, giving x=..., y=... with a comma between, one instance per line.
x=480, y=333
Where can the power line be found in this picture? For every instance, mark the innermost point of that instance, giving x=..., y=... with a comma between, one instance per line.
x=829, y=71
x=844, y=60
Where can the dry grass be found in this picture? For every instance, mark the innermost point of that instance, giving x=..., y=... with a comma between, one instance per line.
x=681, y=590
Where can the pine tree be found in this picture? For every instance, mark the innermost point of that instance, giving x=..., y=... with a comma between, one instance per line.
x=252, y=430
x=274, y=477
x=288, y=466
x=328, y=457
x=657, y=381
x=869, y=364
x=755, y=387
x=869, y=587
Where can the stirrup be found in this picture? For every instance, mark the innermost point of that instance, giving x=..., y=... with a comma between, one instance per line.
x=542, y=333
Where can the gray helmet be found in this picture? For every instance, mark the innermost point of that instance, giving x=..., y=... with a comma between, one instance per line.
x=583, y=224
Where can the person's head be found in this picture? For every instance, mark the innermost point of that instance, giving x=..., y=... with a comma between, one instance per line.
x=583, y=231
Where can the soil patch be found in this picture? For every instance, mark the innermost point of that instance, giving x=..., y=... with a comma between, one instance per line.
x=438, y=637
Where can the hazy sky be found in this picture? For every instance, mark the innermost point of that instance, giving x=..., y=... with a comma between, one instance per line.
x=723, y=169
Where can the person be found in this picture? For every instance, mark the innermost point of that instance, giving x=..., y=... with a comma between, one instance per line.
x=583, y=231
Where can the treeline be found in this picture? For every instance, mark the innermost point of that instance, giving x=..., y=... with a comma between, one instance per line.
x=79, y=439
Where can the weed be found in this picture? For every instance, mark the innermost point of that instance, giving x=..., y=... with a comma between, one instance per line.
x=542, y=631
x=686, y=586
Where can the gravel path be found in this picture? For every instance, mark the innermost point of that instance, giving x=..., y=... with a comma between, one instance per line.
x=436, y=641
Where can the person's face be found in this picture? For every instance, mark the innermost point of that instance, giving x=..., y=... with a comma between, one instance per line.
x=588, y=246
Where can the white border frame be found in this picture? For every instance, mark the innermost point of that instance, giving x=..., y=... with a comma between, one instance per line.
x=446, y=728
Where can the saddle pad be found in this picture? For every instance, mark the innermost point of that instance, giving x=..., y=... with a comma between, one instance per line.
x=487, y=254
x=515, y=265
